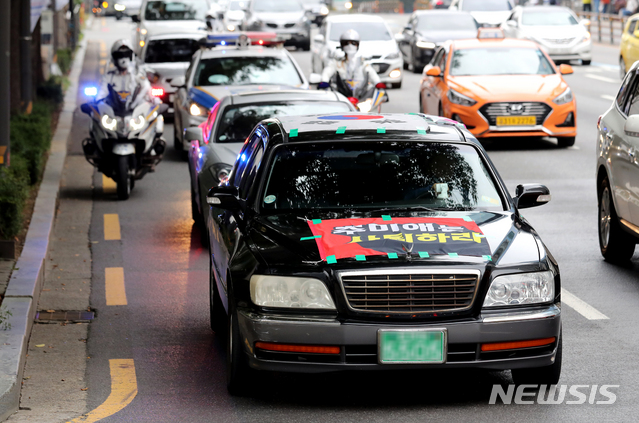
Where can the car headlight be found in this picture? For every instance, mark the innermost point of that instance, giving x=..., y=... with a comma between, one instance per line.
x=143, y=31
x=324, y=10
x=119, y=7
x=221, y=171
x=365, y=106
x=585, y=38
x=290, y=292
x=393, y=56
x=460, y=99
x=137, y=123
x=521, y=289
x=109, y=123
x=197, y=110
x=425, y=44
x=565, y=97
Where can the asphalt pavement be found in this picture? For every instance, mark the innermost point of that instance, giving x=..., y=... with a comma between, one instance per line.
x=158, y=321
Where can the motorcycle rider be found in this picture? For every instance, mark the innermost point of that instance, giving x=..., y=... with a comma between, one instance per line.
x=355, y=77
x=125, y=78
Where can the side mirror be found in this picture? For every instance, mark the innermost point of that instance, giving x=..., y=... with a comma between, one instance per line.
x=224, y=197
x=194, y=134
x=434, y=71
x=408, y=28
x=631, y=127
x=512, y=23
x=135, y=18
x=565, y=69
x=315, y=78
x=399, y=37
x=178, y=82
x=531, y=195
x=319, y=39
x=85, y=108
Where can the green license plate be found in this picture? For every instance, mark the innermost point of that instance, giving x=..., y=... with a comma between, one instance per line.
x=412, y=346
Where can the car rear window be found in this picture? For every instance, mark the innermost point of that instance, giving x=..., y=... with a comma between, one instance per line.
x=368, y=31
x=485, y=5
x=159, y=10
x=382, y=174
x=499, y=61
x=246, y=71
x=165, y=51
x=237, y=122
x=560, y=18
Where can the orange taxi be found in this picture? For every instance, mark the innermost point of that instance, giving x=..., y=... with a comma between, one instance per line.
x=500, y=87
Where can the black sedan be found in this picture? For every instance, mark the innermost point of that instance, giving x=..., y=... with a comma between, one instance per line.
x=377, y=242
x=428, y=28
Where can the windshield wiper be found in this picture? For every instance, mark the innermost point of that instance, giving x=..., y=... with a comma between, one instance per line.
x=409, y=208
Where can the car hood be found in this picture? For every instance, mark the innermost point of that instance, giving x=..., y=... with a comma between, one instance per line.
x=491, y=18
x=371, y=48
x=510, y=87
x=441, y=36
x=169, y=69
x=235, y=14
x=287, y=240
x=165, y=27
x=554, y=32
x=280, y=17
x=222, y=152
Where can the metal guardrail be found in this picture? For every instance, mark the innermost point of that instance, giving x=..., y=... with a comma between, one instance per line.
x=606, y=20
x=381, y=6
x=421, y=5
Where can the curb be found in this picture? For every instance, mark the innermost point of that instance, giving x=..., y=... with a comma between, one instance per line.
x=23, y=292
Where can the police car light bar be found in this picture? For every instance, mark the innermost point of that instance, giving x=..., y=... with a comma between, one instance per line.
x=490, y=33
x=90, y=91
x=240, y=39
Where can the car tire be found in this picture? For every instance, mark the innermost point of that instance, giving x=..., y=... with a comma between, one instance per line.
x=238, y=372
x=615, y=244
x=566, y=141
x=122, y=177
x=548, y=375
x=217, y=314
x=306, y=45
x=396, y=85
x=586, y=62
x=405, y=65
x=440, y=111
x=176, y=140
x=622, y=68
x=416, y=67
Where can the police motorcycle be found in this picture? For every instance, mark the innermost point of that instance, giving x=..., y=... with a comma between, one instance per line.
x=125, y=137
x=351, y=75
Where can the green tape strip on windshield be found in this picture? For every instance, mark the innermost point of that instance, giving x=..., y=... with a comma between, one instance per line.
x=381, y=130
x=453, y=255
x=468, y=219
x=421, y=131
x=306, y=238
x=341, y=130
x=317, y=221
x=392, y=255
x=489, y=258
x=423, y=254
x=360, y=258
x=331, y=260
x=386, y=217
x=293, y=133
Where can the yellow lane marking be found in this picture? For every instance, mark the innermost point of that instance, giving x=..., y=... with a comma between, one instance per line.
x=112, y=227
x=124, y=387
x=114, y=286
x=108, y=184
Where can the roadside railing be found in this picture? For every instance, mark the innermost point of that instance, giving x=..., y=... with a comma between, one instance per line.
x=381, y=6
x=605, y=25
x=421, y=5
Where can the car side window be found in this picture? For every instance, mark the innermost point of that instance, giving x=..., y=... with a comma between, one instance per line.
x=623, y=92
x=442, y=61
x=632, y=27
x=252, y=167
x=436, y=57
x=632, y=103
x=243, y=158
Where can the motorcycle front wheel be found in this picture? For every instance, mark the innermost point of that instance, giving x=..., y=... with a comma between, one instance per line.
x=122, y=178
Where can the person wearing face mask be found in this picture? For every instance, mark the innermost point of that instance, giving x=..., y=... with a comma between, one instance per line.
x=353, y=75
x=125, y=77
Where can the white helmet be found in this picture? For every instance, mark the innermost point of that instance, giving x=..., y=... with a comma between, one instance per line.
x=122, y=54
x=349, y=42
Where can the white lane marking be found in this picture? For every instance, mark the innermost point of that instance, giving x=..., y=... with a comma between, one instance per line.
x=573, y=147
x=581, y=307
x=608, y=97
x=606, y=66
x=602, y=78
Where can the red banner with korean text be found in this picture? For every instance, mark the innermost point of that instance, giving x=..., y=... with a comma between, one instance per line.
x=347, y=238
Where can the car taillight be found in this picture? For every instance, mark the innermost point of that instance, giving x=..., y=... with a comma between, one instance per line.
x=599, y=122
x=157, y=92
x=353, y=100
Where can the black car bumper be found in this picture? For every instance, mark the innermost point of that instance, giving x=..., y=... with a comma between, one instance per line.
x=358, y=342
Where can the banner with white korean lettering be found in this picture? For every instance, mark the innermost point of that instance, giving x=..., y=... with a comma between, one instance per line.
x=348, y=238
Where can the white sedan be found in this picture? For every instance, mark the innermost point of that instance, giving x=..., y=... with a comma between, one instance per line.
x=556, y=29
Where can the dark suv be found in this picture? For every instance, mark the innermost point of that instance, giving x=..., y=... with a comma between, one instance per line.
x=372, y=242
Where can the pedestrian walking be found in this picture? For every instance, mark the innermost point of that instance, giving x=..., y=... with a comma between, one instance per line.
x=606, y=6
x=587, y=5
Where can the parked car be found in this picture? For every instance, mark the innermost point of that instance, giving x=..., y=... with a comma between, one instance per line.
x=629, y=47
x=235, y=15
x=317, y=10
x=426, y=29
x=618, y=172
x=489, y=13
x=377, y=44
x=219, y=140
x=557, y=29
x=500, y=88
x=287, y=18
x=336, y=246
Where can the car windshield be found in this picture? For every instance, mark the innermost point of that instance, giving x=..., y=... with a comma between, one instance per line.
x=368, y=31
x=548, y=18
x=372, y=175
x=165, y=51
x=245, y=71
x=238, y=121
x=277, y=6
x=175, y=10
x=238, y=5
x=443, y=22
x=485, y=5
x=500, y=61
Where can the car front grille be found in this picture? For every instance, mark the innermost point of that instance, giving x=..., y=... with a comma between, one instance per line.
x=407, y=292
x=559, y=41
x=492, y=110
x=381, y=67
